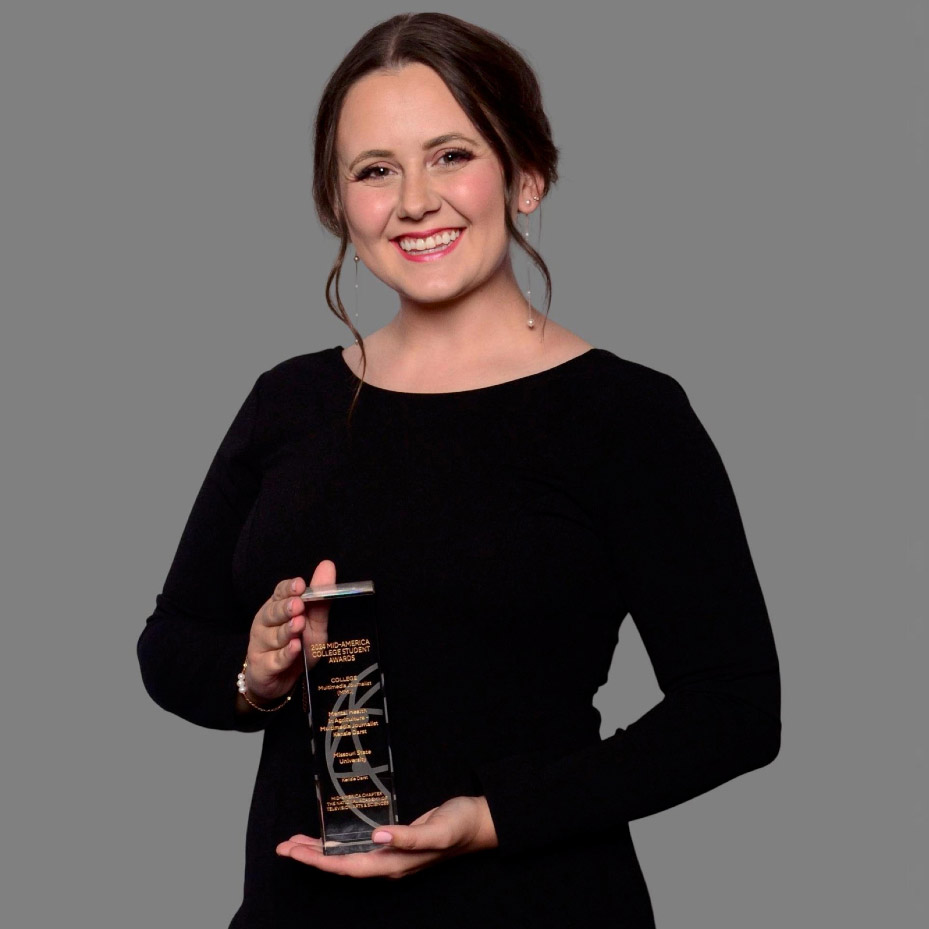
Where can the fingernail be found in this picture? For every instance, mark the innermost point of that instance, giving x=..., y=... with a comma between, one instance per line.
x=293, y=585
x=382, y=838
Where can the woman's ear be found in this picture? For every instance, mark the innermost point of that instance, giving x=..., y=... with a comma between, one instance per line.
x=531, y=191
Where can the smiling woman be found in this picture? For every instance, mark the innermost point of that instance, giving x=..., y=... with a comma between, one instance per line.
x=401, y=186
x=512, y=492
x=459, y=73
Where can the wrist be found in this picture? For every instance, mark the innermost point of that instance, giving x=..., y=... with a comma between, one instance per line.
x=247, y=700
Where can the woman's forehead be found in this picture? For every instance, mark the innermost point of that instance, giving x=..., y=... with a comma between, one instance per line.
x=402, y=107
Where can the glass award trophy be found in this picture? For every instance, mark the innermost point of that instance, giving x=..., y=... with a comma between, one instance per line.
x=348, y=722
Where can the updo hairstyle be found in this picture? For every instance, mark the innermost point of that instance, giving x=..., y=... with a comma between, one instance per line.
x=489, y=79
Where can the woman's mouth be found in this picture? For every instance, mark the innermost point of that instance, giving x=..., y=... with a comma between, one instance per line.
x=433, y=245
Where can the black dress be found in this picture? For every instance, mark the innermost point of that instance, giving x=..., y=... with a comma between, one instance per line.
x=508, y=529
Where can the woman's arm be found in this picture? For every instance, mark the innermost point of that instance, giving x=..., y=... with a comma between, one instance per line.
x=694, y=596
x=193, y=645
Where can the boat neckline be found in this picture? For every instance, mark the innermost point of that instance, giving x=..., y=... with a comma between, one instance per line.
x=516, y=381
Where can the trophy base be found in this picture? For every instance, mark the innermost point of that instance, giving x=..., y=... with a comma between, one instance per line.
x=334, y=847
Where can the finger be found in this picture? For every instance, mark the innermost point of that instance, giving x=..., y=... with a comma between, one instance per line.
x=317, y=614
x=277, y=613
x=289, y=587
x=267, y=662
x=380, y=863
x=324, y=574
x=427, y=836
x=291, y=627
x=284, y=848
x=273, y=635
x=283, y=658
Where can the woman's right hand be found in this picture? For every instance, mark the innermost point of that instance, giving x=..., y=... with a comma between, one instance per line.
x=280, y=630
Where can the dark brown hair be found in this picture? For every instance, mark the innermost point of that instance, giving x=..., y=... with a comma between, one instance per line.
x=489, y=79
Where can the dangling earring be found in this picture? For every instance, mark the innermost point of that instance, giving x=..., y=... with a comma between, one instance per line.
x=357, y=261
x=530, y=322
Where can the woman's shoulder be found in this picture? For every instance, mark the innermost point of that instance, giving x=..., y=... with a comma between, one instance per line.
x=301, y=377
x=325, y=364
x=629, y=383
x=297, y=392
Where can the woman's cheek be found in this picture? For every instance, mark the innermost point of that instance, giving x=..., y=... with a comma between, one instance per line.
x=478, y=193
x=367, y=209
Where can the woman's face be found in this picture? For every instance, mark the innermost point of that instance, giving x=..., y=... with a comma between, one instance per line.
x=423, y=193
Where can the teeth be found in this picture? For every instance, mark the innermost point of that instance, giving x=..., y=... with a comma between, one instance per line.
x=434, y=241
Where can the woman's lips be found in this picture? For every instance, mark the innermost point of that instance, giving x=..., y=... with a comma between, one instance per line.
x=417, y=247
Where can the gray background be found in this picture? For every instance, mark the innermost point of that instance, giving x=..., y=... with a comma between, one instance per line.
x=743, y=204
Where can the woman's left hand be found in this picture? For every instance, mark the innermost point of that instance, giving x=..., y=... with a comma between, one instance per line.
x=460, y=825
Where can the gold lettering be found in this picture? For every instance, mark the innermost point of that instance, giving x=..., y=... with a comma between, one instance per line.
x=359, y=801
x=346, y=650
x=351, y=757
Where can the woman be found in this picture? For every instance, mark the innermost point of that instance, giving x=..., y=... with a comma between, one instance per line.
x=512, y=491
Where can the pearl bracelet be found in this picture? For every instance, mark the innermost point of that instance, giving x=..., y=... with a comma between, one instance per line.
x=243, y=689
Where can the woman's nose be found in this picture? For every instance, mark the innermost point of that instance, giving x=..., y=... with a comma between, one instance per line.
x=417, y=197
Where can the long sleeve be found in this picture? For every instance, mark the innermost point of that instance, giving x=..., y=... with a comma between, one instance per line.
x=193, y=644
x=692, y=591
x=508, y=531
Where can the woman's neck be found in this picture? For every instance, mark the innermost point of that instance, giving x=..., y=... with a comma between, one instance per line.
x=458, y=358
x=478, y=341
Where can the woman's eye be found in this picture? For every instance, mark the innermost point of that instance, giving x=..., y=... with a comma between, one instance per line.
x=454, y=157
x=374, y=172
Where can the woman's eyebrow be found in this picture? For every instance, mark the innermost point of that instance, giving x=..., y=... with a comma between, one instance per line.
x=449, y=137
x=370, y=153
x=431, y=143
